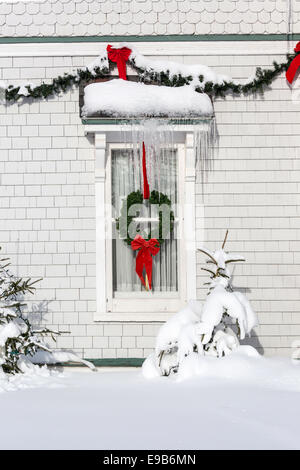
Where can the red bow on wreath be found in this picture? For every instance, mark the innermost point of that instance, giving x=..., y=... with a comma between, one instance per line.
x=147, y=249
x=291, y=71
x=120, y=56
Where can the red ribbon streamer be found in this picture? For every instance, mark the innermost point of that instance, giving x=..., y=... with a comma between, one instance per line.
x=120, y=56
x=295, y=64
x=147, y=249
x=146, y=185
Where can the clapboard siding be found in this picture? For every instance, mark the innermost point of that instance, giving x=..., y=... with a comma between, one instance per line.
x=48, y=213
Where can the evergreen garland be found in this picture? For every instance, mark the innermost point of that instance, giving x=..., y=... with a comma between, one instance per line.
x=263, y=78
x=136, y=197
x=59, y=84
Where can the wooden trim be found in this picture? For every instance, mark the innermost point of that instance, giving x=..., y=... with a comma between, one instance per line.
x=118, y=121
x=100, y=203
x=220, y=46
x=106, y=362
x=126, y=307
x=190, y=217
x=151, y=38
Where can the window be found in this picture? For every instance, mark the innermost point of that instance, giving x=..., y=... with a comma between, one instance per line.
x=125, y=178
x=124, y=288
x=120, y=296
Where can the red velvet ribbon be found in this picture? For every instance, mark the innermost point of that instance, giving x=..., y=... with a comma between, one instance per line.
x=295, y=64
x=147, y=249
x=120, y=57
x=146, y=185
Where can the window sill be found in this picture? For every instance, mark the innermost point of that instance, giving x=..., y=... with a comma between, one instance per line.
x=126, y=317
x=166, y=295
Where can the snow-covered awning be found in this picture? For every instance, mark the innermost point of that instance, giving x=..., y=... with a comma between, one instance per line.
x=120, y=98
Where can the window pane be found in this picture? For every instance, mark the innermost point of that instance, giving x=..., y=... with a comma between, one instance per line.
x=127, y=177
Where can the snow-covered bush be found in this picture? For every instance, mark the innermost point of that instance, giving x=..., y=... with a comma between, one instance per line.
x=19, y=340
x=208, y=329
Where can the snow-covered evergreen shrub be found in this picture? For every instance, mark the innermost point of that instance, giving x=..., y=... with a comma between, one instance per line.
x=206, y=329
x=18, y=338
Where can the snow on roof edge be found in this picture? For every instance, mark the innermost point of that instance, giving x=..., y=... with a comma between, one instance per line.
x=121, y=98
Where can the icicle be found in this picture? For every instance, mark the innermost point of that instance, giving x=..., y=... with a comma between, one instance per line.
x=158, y=135
x=205, y=143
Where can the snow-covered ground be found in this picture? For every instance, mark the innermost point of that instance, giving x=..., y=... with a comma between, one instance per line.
x=120, y=409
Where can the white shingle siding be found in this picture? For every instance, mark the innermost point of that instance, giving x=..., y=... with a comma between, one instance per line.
x=147, y=17
x=48, y=213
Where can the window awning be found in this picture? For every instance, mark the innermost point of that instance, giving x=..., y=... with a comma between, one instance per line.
x=124, y=99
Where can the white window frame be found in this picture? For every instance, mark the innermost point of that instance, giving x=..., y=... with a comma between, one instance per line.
x=148, y=302
x=159, y=306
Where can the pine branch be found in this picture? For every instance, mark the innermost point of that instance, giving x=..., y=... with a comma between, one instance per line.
x=208, y=254
x=23, y=338
x=19, y=286
x=234, y=260
x=209, y=271
x=225, y=239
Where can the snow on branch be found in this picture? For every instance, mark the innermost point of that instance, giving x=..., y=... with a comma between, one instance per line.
x=212, y=329
x=19, y=340
x=201, y=78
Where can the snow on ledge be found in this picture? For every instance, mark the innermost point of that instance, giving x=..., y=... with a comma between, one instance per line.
x=123, y=98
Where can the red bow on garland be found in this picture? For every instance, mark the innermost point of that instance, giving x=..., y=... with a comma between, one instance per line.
x=147, y=249
x=120, y=56
x=291, y=71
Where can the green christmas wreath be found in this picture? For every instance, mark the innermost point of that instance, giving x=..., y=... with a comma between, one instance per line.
x=136, y=197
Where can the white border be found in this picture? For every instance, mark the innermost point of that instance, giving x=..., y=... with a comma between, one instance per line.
x=172, y=48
